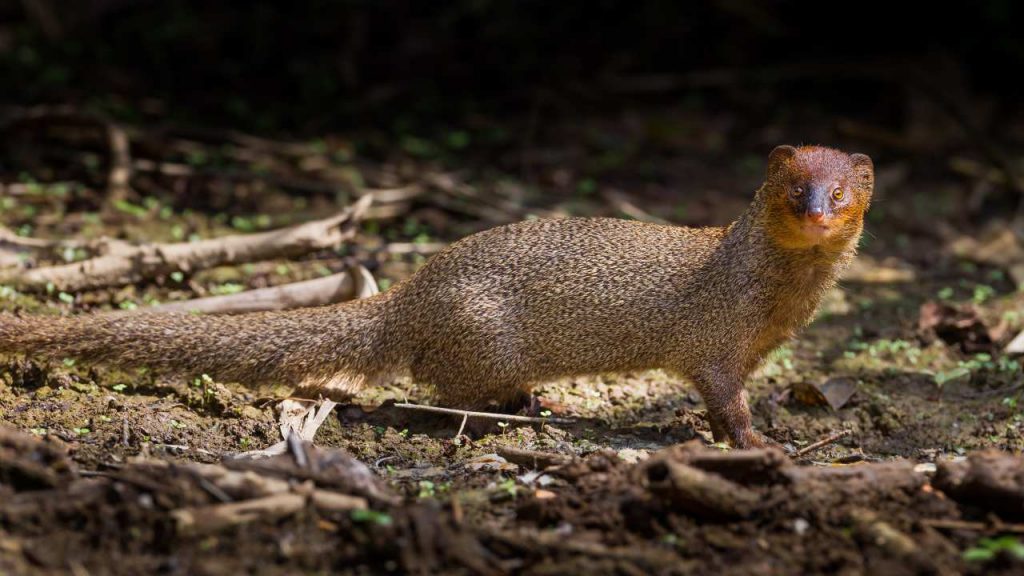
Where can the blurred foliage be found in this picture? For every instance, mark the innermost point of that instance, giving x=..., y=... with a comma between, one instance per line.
x=310, y=65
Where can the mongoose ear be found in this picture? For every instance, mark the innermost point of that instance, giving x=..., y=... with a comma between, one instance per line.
x=778, y=158
x=864, y=169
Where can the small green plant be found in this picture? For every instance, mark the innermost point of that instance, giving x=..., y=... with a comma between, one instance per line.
x=81, y=431
x=586, y=187
x=545, y=414
x=982, y=293
x=509, y=487
x=366, y=516
x=227, y=288
x=130, y=209
x=949, y=375
x=988, y=548
x=427, y=489
x=1005, y=364
x=119, y=387
x=207, y=392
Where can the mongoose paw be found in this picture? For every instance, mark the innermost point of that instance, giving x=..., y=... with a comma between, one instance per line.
x=538, y=407
x=753, y=439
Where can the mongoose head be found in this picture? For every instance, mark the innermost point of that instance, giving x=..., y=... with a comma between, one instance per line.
x=816, y=196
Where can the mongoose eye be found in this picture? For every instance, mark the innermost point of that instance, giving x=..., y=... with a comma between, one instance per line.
x=798, y=192
x=838, y=194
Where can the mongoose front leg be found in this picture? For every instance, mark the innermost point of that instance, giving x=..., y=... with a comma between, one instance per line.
x=728, y=412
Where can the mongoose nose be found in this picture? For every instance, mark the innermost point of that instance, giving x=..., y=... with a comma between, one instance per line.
x=816, y=215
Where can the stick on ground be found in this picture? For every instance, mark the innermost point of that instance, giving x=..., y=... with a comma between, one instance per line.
x=488, y=415
x=356, y=282
x=822, y=443
x=138, y=263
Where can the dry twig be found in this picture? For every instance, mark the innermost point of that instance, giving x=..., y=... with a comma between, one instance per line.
x=137, y=263
x=832, y=439
x=488, y=415
x=356, y=282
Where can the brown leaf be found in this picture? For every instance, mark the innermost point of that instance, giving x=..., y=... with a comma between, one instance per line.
x=808, y=394
x=835, y=392
x=956, y=326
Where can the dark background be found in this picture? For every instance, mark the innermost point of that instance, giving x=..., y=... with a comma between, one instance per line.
x=904, y=81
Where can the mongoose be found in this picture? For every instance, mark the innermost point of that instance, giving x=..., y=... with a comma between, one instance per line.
x=501, y=310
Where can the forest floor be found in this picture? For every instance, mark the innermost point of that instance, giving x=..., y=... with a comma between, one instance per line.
x=76, y=494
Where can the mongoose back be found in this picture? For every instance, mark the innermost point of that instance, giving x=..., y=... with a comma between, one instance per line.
x=502, y=310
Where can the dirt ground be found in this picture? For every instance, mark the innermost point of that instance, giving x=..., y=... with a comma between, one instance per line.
x=79, y=493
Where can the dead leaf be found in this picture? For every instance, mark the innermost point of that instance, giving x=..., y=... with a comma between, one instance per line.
x=956, y=326
x=835, y=392
x=808, y=394
x=1016, y=346
x=838, y=390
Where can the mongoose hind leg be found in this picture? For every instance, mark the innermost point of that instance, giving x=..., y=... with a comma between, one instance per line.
x=718, y=432
x=728, y=412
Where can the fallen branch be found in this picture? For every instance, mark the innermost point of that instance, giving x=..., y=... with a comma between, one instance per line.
x=356, y=282
x=120, y=172
x=8, y=238
x=488, y=415
x=757, y=466
x=822, y=443
x=990, y=480
x=13, y=248
x=209, y=519
x=137, y=263
x=698, y=492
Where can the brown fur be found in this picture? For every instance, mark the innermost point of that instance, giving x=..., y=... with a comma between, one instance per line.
x=502, y=310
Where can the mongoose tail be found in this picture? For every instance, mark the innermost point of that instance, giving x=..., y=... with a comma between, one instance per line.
x=332, y=351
